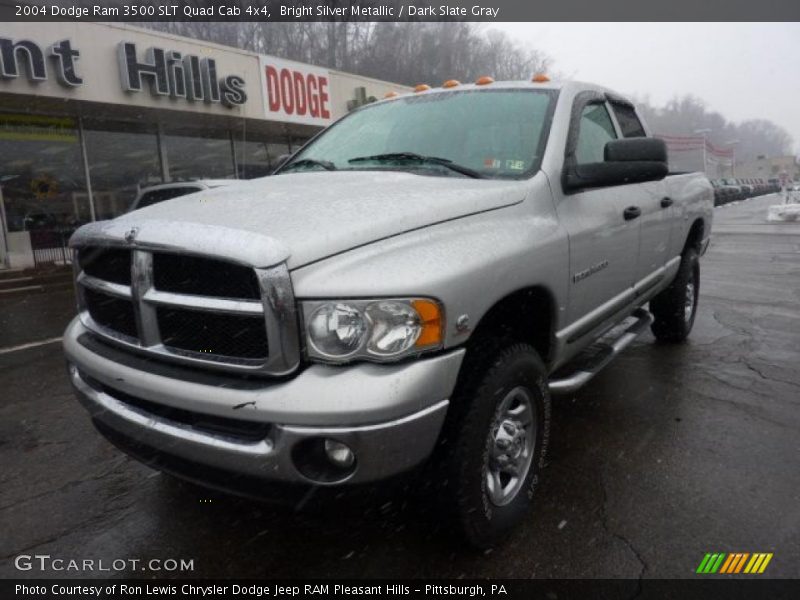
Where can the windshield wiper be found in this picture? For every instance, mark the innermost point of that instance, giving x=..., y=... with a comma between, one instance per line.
x=311, y=162
x=414, y=157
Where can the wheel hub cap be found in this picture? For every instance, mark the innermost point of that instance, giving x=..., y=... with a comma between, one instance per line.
x=688, y=306
x=511, y=445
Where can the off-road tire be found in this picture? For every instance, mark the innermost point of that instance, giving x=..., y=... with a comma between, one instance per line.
x=469, y=441
x=673, y=322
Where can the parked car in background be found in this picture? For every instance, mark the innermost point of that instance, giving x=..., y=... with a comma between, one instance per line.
x=39, y=219
x=722, y=193
x=729, y=192
x=166, y=191
x=735, y=190
x=747, y=188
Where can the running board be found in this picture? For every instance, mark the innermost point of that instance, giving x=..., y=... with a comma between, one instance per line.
x=597, y=356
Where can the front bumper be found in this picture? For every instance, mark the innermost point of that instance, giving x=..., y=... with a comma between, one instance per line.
x=389, y=415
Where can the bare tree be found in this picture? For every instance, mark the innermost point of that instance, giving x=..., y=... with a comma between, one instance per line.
x=406, y=53
x=686, y=115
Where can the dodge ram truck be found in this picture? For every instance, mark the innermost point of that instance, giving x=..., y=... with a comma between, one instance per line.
x=401, y=298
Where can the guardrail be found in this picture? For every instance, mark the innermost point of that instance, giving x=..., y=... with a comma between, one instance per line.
x=49, y=247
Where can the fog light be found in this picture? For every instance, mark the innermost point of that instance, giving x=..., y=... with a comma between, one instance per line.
x=324, y=460
x=339, y=454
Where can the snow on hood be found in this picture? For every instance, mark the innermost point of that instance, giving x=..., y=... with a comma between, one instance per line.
x=319, y=214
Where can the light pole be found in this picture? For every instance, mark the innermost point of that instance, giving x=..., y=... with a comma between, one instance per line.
x=4, y=259
x=732, y=144
x=704, y=132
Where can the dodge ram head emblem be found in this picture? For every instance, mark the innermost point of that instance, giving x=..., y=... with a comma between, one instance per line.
x=130, y=235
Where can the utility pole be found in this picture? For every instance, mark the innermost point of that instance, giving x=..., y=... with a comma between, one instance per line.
x=3, y=231
x=732, y=144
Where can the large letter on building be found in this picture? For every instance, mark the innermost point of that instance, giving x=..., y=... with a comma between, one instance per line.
x=65, y=58
x=131, y=72
x=9, y=51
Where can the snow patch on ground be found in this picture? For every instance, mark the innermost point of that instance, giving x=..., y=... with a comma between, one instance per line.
x=784, y=212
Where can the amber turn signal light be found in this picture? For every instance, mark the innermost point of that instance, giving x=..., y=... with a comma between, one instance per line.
x=430, y=316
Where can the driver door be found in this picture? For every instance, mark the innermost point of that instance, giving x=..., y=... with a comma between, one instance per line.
x=603, y=237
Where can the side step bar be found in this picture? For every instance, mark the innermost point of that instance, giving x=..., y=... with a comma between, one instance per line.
x=602, y=354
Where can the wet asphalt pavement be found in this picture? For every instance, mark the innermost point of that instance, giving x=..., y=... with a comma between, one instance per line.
x=671, y=452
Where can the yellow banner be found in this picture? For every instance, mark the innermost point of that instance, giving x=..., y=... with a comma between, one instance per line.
x=37, y=128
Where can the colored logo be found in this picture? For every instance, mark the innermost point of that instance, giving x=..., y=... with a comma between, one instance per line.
x=737, y=562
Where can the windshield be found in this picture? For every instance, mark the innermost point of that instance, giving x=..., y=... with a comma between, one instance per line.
x=495, y=133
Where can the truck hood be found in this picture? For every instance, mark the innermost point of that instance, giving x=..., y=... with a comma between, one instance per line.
x=305, y=217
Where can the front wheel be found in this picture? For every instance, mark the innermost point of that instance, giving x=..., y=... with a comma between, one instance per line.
x=675, y=308
x=498, y=444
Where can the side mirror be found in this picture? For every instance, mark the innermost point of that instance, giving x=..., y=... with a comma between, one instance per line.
x=632, y=160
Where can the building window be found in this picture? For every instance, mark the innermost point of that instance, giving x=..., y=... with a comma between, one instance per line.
x=298, y=142
x=199, y=156
x=258, y=159
x=41, y=173
x=123, y=159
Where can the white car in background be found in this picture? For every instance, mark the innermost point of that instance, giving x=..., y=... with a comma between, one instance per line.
x=166, y=191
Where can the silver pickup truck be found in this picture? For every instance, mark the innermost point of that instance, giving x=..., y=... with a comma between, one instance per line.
x=409, y=289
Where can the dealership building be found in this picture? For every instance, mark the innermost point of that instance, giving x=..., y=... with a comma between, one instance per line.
x=91, y=113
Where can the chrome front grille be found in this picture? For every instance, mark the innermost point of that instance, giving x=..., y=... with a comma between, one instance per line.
x=113, y=313
x=108, y=264
x=190, y=309
x=226, y=335
x=204, y=277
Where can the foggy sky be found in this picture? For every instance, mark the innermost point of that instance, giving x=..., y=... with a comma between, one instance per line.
x=741, y=70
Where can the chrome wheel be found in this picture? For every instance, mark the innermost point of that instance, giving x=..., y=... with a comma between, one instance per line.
x=688, y=305
x=511, y=443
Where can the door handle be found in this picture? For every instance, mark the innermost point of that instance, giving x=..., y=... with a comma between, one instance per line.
x=632, y=212
x=666, y=202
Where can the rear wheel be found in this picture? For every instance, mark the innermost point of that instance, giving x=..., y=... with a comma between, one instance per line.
x=675, y=308
x=497, y=443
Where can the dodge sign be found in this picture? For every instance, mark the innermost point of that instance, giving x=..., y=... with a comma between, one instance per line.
x=296, y=92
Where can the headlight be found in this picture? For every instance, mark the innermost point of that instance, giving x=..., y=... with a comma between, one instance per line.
x=344, y=330
x=337, y=329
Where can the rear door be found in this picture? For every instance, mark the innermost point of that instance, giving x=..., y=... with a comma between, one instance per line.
x=603, y=243
x=656, y=207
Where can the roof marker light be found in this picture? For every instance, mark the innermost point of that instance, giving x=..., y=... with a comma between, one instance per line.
x=485, y=80
x=390, y=94
x=540, y=78
x=451, y=83
x=422, y=87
